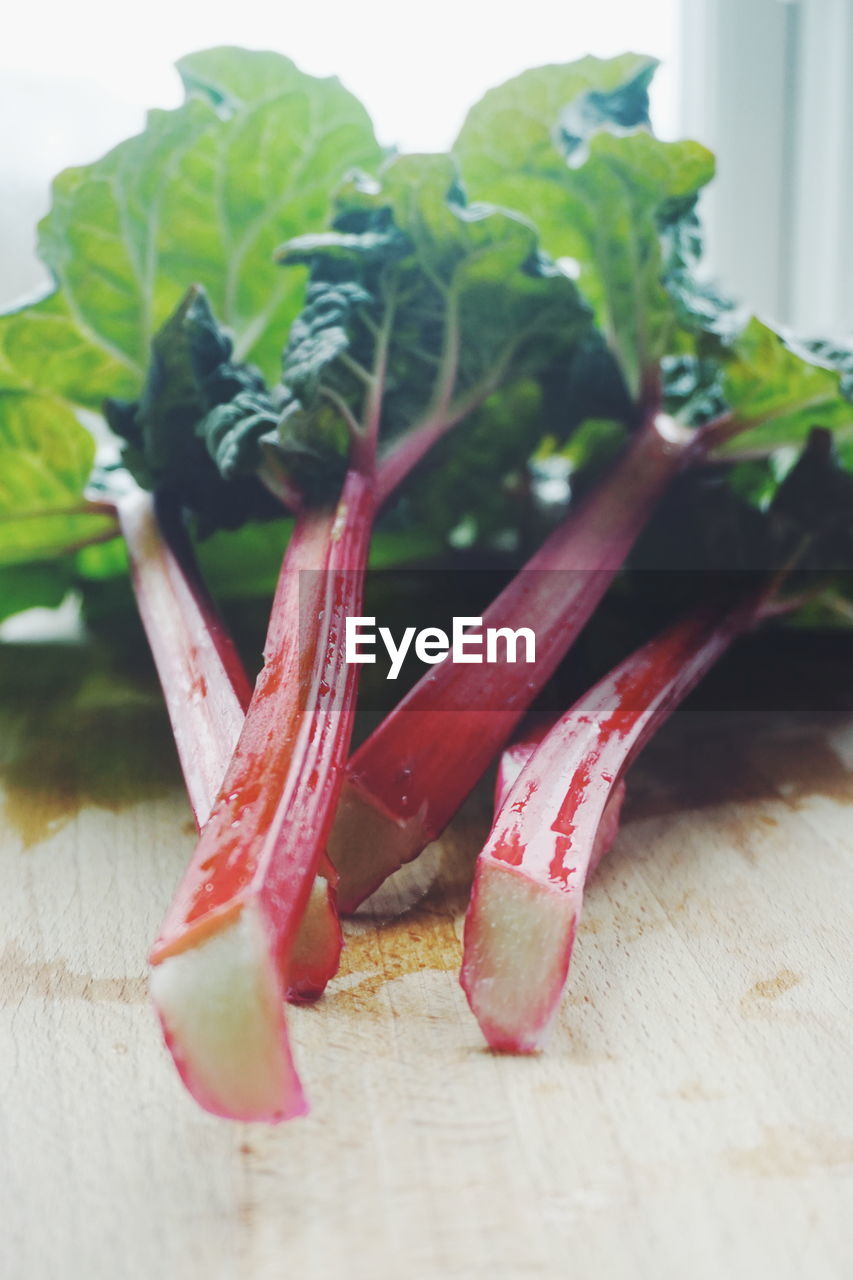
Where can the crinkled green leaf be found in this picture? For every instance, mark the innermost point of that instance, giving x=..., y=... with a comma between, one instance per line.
x=837, y=355
x=692, y=388
x=191, y=371
x=601, y=199
x=462, y=292
x=700, y=305
x=519, y=126
x=468, y=305
x=234, y=432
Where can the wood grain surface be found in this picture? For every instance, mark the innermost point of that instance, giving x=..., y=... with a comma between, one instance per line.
x=691, y=1117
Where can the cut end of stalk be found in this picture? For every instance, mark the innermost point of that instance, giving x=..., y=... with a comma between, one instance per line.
x=368, y=844
x=518, y=943
x=222, y=1011
x=317, y=950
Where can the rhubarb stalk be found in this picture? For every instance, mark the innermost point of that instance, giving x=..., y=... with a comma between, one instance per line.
x=518, y=754
x=404, y=784
x=558, y=818
x=207, y=692
x=217, y=963
x=204, y=684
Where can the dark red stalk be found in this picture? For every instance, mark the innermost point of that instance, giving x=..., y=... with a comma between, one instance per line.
x=407, y=780
x=558, y=819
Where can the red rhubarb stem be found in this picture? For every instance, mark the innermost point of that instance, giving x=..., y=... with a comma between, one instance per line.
x=203, y=681
x=404, y=784
x=546, y=839
x=207, y=691
x=231, y=929
x=517, y=755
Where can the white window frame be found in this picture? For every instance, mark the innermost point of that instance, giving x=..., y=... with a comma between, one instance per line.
x=768, y=84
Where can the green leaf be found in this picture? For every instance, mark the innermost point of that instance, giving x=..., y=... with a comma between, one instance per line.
x=418, y=309
x=778, y=390
x=692, y=388
x=32, y=586
x=244, y=563
x=45, y=460
x=600, y=193
x=102, y=560
x=191, y=372
x=461, y=293
x=836, y=355
x=477, y=476
x=44, y=348
x=203, y=195
x=700, y=306
x=518, y=127
x=233, y=78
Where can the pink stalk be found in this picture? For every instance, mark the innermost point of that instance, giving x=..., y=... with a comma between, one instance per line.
x=559, y=817
x=207, y=692
x=204, y=684
x=218, y=963
x=518, y=754
x=514, y=757
x=407, y=780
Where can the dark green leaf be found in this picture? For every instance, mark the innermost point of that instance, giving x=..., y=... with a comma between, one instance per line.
x=30, y=586
x=191, y=371
x=465, y=298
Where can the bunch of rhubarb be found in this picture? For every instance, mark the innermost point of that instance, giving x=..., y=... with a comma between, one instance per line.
x=271, y=360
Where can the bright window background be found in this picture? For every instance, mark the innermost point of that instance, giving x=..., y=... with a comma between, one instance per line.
x=75, y=78
x=768, y=85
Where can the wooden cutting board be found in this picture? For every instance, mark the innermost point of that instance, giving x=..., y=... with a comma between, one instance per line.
x=692, y=1116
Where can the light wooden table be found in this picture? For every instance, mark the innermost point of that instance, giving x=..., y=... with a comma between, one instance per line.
x=692, y=1116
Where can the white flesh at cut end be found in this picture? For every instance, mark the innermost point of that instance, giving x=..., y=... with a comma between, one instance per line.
x=222, y=1009
x=518, y=942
